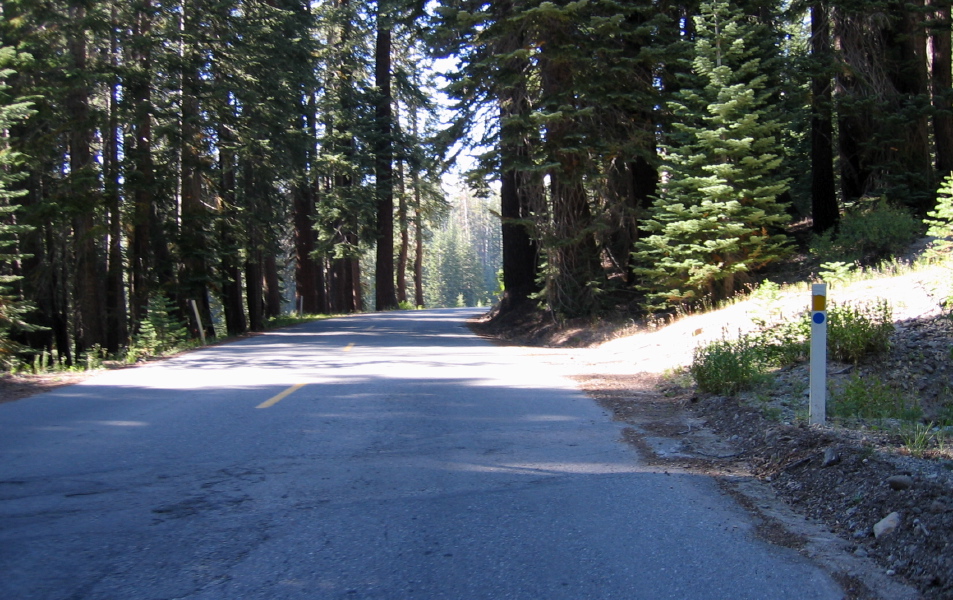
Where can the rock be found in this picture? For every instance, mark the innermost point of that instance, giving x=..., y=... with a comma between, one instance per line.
x=900, y=482
x=830, y=458
x=887, y=525
x=938, y=507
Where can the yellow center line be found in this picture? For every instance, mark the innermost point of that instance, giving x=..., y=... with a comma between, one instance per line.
x=276, y=399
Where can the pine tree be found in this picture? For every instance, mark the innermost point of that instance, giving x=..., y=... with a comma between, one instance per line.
x=13, y=309
x=718, y=217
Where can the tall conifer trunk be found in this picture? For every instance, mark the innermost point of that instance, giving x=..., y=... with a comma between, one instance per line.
x=117, y=330
x=572, y=254
x=418, y=249
x=309, y=277
x=942, y=80
x=254, y=247
x=386, y=298
x=141, y=180
x=272, y=285
x=908, y=40
x=231, y=276
x=403, y=253
x=518, y=186
x=823, y=187
x=89, y=271
x=853, y=130
x=193, y=236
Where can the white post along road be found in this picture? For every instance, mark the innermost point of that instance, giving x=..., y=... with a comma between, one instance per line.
x=381, y=456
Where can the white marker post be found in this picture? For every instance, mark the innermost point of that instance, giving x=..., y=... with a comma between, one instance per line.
x=198, y=320
x=818, y=402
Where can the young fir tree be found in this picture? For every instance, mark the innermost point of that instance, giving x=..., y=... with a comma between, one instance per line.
x=718, y=217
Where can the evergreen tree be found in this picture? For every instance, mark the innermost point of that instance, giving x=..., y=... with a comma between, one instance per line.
x=717, y=218
x=13, y=309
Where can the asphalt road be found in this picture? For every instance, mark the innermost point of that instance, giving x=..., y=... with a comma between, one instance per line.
x=380, y=456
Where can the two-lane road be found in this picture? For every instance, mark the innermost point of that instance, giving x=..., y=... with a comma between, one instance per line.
x=381, y=456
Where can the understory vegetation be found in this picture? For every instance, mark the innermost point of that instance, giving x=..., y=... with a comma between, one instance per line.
x=769, y=365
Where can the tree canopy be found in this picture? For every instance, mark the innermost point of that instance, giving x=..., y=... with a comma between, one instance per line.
x=235, y=160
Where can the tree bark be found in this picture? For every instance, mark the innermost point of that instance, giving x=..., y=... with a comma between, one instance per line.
x=403, y=253
x=231, y=276
x=386, y=297
x=823, y=186
x=853, y=129
x=117, y=329
x=142, y=178
x=193, y=234
x=418, y=247
x=572, y=253
x=89, y=271
x=910, y=77
x=942, y=82
x=519, y=188
x=272, y=286
x=309, y=276
x=254, y=290
x=254, y=245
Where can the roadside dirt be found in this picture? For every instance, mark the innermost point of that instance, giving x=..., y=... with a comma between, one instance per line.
x=15, y=387
x=822, y=490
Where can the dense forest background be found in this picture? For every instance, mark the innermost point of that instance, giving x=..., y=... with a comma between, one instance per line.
x=214, y=163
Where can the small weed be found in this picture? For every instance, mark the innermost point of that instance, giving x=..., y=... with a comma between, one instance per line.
x=802, y=415
x=945, y=415
x=870, y=397
x=917, y=438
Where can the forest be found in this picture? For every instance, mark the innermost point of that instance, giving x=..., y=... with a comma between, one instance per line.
x=200, y=166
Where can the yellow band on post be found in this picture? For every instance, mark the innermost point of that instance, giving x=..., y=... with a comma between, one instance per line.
x=818, y=303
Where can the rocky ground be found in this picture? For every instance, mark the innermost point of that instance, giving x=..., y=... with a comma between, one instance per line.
x=863, y=498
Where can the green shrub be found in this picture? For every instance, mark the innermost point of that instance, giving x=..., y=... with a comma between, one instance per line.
x=868, y=232
x=854, y=332
x=940, y=220
x=836, y=272
x=728, y=366
x=159, y=333
x=784, y=343
x=869, y=397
